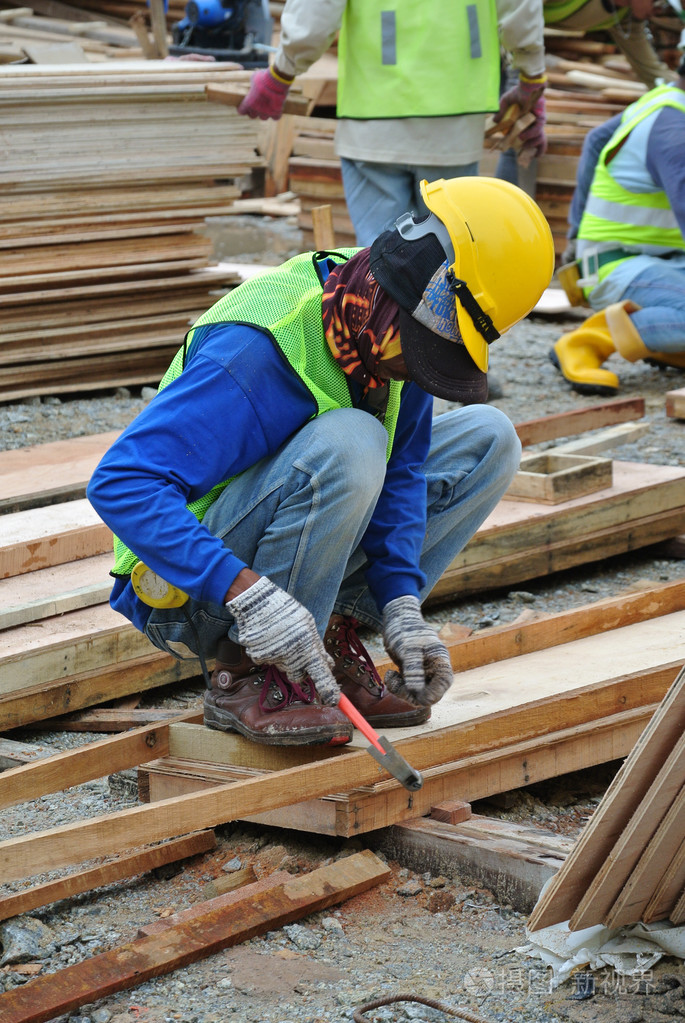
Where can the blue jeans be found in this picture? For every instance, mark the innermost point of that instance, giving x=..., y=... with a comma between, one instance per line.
x=299, y=515
x=378, y=193
x=660, y=290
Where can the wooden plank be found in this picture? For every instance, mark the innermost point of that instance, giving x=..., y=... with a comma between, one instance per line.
x=110, y=719
x=473, y=776
x=139, y=862
x=100, y=685
x=666, y=843
x=551, y=477
x=126, y=829
x=129, y=965
x=504, y=641
x=513, y=861
x=232, y=96
x=614, y=873
x=678, y=915
x=667, y=892
x=602, y=440
x=51, y=536
x=73, y=767
x=622, y=798
x=566, y=424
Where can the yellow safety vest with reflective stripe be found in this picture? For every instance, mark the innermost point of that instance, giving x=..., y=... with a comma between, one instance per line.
x=418, y=58
x=615, y=218
x=554, y=11
x=286, y=304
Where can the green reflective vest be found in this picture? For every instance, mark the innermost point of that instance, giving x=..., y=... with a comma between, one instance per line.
x=286, y=304
x=555, y=11
x=614, y=217
x=417, y=58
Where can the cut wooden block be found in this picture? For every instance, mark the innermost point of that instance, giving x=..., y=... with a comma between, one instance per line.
x=128, y=965
x=551, y=478
x=116, y=870
x=675, y=404
x=451, y=811
x=51, y=536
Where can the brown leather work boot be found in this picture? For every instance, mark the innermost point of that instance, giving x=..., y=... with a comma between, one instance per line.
x=263, y=704
x=358, y=679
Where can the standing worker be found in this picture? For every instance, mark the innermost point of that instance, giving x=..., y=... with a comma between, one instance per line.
x=631, y=242
x=415, y=83
x=290, y=479
x=625, y=22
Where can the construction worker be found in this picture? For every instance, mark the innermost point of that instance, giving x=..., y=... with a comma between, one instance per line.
x=625, y=22
x=415, y=83
x=289, y=479
x=631, y=242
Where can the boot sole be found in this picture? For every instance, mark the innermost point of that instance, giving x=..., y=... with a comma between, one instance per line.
x=581, y=388
x=224, y=722
x=399, y=720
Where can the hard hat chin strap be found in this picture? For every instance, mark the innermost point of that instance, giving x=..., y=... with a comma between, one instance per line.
x=409, y=229
x=481, y=321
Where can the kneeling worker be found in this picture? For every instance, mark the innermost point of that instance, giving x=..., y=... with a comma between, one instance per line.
x=290, y=479
x=630, y=242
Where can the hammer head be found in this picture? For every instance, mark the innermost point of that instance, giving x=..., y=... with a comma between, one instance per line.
x=396, y=765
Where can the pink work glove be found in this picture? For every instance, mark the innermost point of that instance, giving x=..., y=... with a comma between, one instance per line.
x=533, y=138
x=266, y=96
x=525, y=94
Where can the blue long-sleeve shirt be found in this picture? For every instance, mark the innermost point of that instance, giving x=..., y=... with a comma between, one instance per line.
x=235, y=402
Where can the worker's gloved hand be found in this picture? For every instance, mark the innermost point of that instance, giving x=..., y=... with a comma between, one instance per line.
x=525, y=94
x=425, y=672
x=266, y=95
x=274, y=628
x=533, y=138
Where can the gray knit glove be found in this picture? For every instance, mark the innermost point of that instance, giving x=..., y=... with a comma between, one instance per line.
x=425, y=672
x=274, y=628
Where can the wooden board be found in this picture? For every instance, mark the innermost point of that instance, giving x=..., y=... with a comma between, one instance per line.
x=675, y=404
x=129, y=965
x=553, y=477
x=633, y=780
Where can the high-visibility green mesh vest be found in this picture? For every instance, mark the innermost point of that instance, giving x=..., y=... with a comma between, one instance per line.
x=286, y=303
x=418, y=58
x=558, y=10
x=643, y=221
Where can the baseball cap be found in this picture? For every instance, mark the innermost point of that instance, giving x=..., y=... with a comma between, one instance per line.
x=416, y=274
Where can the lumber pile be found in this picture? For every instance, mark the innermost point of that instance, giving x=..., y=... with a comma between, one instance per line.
x=108, y=175
x=64, y=649
x=629, y=862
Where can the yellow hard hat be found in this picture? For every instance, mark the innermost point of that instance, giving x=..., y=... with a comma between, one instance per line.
x=502, y=252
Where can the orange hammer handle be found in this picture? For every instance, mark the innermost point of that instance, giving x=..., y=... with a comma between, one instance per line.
x=360, y=722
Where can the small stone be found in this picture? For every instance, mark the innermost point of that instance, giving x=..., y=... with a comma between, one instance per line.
x=522, y=596
x=331, y=925
x=232, y=865
x=411, y=888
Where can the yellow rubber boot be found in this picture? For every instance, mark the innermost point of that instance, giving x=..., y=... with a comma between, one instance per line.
x=580, y=354
x=628, y=342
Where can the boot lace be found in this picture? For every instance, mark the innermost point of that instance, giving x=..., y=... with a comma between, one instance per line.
x=290, y=692
x=353, y=650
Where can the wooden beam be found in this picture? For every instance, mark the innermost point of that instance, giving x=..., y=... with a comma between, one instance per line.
x=562, y=897
x=614, y=873
x=128, y=965
x=566, y=424
x=140, y=862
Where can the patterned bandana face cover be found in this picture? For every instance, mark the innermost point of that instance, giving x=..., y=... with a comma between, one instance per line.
x=360, y=321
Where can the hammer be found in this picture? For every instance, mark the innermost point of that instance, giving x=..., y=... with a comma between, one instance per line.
x=382, y=750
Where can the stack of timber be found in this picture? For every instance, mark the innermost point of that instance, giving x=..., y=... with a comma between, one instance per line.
x=64, y=648
x=629, y=864
x=108, y=175
x=66, y=35
x=531, y=701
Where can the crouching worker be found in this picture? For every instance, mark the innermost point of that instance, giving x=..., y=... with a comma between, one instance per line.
x=289, y=477
x=629, y=205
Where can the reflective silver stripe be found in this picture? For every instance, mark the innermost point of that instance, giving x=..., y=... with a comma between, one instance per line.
x=474, y=31
x=388, y=37
x=639, y=216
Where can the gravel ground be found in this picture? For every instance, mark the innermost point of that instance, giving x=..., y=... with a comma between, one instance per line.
x=417, y=933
